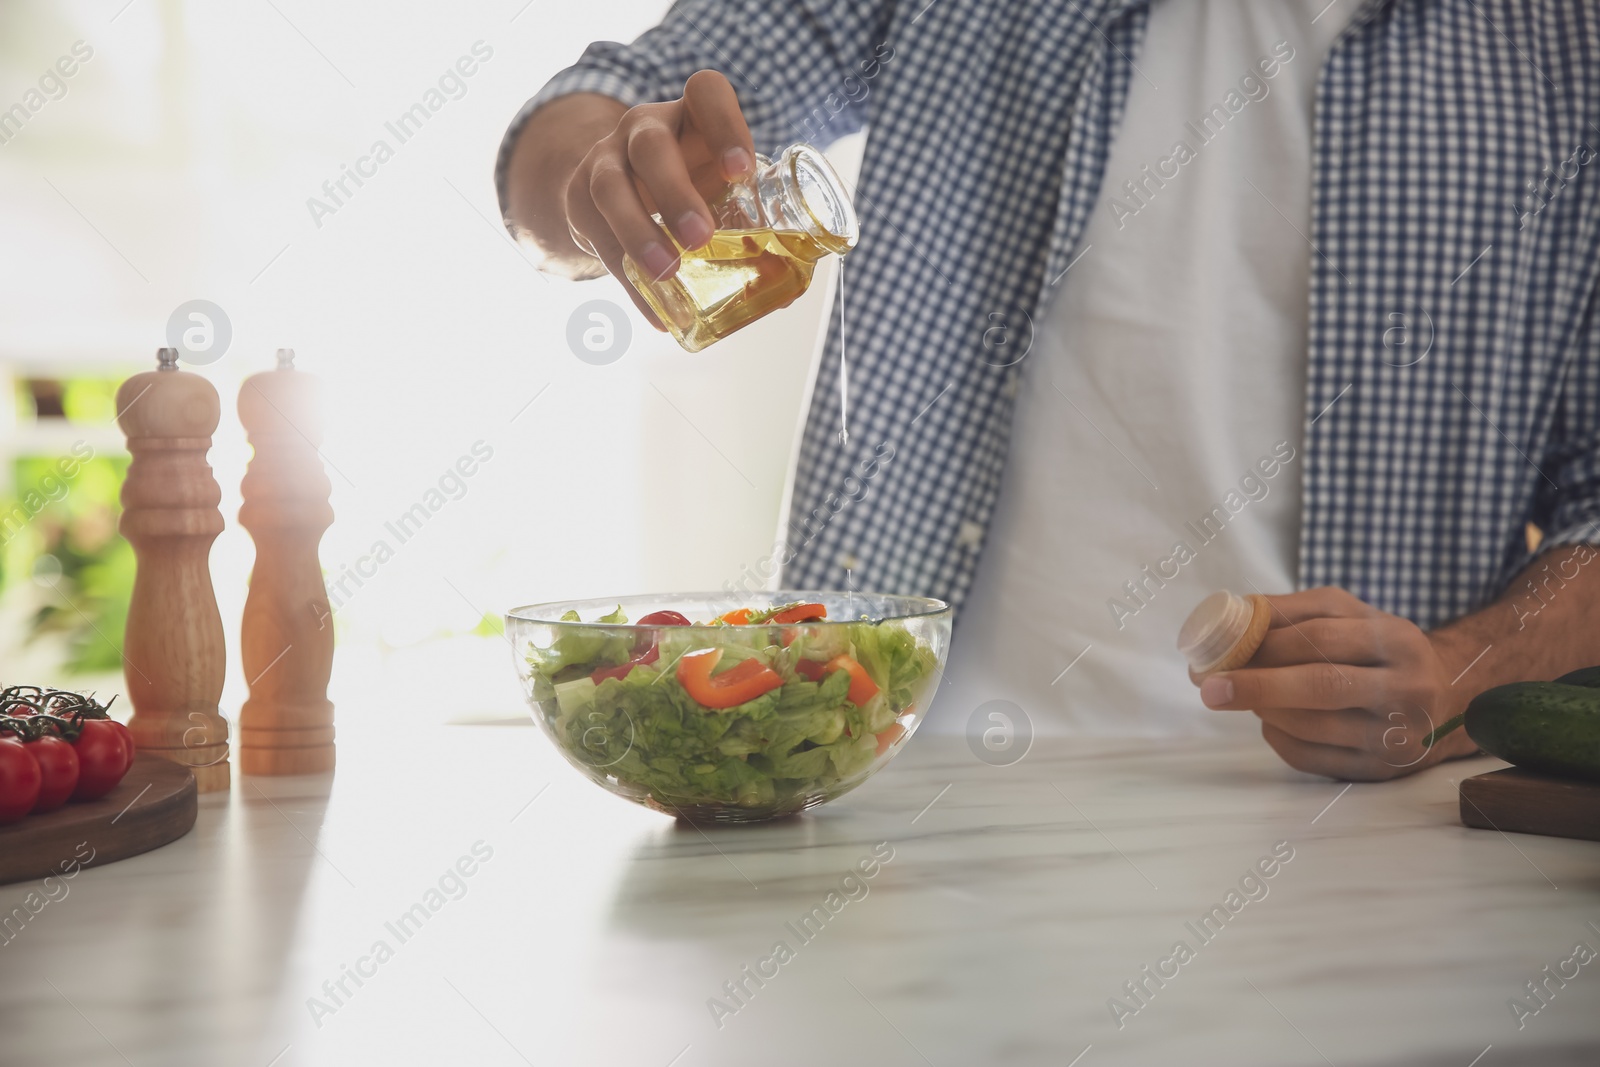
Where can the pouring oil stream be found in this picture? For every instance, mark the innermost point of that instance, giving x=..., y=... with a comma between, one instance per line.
x=844, y=371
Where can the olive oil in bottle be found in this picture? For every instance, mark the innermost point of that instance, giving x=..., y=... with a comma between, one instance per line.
x=735, y=279
x=771, y=231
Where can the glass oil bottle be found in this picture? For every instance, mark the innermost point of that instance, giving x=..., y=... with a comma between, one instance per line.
x=771, y=230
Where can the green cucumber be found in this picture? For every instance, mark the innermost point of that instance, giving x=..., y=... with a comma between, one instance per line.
x=1588, y=677
x=1546, y=727
x=1584, y=677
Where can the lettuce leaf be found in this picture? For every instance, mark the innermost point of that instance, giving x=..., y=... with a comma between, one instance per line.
x=897, y=661
x=578, y=645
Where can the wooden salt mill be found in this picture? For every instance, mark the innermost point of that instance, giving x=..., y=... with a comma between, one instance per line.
x=286, y=640
x=172, y=654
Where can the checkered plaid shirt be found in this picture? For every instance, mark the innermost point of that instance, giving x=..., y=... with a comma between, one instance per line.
x=1455, y=199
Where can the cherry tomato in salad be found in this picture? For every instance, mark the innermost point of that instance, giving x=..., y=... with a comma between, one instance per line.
x=664, y=618
x=621, y=670
x=644, y=649
x=734, y=686
x=102, y=759
x=811, y=670
x=20, y=781
x=58, y=768
x=801, y=613
x=889, y=736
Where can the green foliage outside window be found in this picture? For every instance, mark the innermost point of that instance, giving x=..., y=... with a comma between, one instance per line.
x=58, y=533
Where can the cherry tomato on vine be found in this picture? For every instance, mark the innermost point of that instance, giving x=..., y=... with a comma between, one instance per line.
x=58, y=764
x=20, y=780
x=127, y=743
x=102, y=759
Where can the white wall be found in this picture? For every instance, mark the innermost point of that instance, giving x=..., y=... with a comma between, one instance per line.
x=178, y=164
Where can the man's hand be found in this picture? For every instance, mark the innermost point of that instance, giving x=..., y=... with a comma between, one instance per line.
x=587, y=173
x=1345, y=690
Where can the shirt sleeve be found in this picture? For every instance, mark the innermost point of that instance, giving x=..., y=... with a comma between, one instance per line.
x=803, y=69
x=1573, y=458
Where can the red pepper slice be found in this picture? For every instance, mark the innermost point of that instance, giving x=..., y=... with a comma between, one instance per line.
x=862, y=687
x=801, y=613
x=740, y=683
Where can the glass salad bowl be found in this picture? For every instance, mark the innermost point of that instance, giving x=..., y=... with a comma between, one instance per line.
x=711, y=712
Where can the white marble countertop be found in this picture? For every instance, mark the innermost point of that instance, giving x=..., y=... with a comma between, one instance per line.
x=1016, y=904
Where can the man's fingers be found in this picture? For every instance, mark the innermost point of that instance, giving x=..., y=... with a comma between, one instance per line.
x=1344, y=728
x=640, y=167
x=603, y=208
x=1320, y=685
x=1291, y=609
x=1353, y=641
x=591, y=232
x=616, y=198
x=657, y=161
x=713, y=107
x=1345, y=764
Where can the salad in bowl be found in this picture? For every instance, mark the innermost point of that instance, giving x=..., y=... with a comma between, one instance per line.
x=714, y=713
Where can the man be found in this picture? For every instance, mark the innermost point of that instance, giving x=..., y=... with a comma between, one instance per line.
x=1268, y=296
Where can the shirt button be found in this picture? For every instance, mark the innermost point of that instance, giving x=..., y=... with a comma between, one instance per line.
x=970, y=535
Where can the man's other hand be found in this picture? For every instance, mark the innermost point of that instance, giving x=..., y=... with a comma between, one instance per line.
x=1346, y=690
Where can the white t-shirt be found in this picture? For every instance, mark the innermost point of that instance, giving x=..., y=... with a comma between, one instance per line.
x=1155, y=455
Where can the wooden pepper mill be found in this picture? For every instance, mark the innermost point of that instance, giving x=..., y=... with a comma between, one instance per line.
x=286, y=640
x=173, y=657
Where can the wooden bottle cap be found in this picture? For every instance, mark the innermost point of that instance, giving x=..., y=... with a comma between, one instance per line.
x=1224, y=631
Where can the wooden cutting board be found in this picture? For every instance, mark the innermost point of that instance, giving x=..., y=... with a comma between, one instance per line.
x=1521, y=802
x=152, y=805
